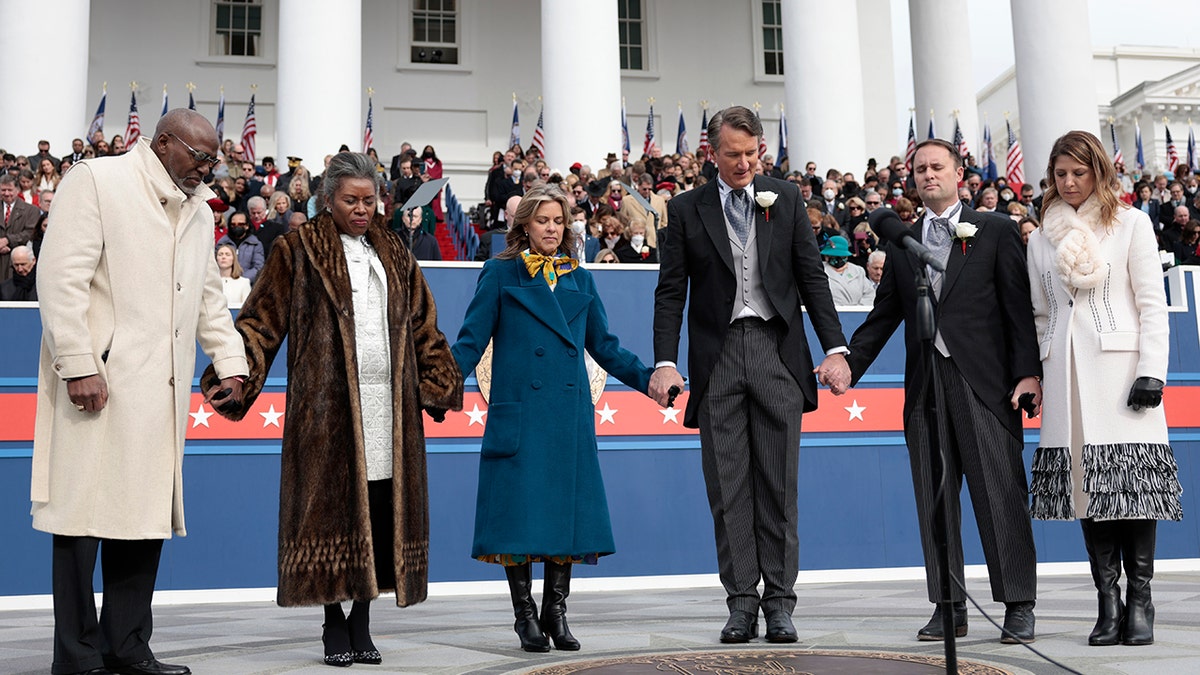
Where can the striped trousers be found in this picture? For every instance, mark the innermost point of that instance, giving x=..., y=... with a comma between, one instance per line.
x=979, y=447
x=750, y=450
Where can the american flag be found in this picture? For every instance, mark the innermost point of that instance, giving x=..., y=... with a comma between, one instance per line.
x=1015, y=162
x=681, y=144
x=221, y=118
x=989, y=155
x=369, y=129
x=133, y=128
x=782, y=154
x=514, y=136
x=651, y=141
x=911, y=150
x=959, y=141
x=624, y=128
x=165, y=107
x=97, y=124
x=1141, y=157
x=702, y=148
x=1172, y=153
x=539, y=133
x=249, y=131
x=762, y=141
x=1118, y=158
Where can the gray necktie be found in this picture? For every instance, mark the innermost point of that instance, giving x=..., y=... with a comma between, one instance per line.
x=941, y=232
x=737, y=210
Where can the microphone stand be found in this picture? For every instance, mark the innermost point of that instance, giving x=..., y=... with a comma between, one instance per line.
x=926, y=331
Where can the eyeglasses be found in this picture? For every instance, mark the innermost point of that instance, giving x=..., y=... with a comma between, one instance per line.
x=203, y=157
x=856, y=208
x=874, y=203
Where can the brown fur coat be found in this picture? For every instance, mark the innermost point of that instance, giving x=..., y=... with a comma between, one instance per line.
x=303, y=294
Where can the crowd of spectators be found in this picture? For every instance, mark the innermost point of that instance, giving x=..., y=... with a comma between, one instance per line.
x=620, y=210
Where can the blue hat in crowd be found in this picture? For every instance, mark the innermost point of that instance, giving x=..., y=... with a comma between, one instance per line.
x=837, y=247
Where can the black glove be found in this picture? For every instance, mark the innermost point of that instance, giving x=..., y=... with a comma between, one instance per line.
x=1146, y=392
x=438, y=414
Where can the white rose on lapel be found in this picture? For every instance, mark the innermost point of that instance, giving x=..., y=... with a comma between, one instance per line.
x=765, y=198
x=964, y=232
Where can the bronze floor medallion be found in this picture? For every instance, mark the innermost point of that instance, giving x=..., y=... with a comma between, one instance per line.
x=768, y=662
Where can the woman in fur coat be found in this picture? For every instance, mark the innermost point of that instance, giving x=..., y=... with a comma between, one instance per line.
x=1101, y=318
x=365, y=357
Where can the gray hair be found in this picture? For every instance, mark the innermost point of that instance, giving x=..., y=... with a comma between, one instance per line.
x=7, y=179
x=347, y=165
x=23, y=249
x=876, y=255
x=256, y=201
x=736, y=117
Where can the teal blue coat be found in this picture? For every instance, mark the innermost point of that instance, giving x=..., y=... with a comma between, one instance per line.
x=540, y=489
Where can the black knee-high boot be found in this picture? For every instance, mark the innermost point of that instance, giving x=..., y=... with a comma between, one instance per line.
x=1102, y=539
x=336, y=637
x=520, y=587
x=1137, y=548
x=554, y=606
x=362, y=647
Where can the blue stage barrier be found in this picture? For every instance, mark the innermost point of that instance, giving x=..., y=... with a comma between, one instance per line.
x=856, y=499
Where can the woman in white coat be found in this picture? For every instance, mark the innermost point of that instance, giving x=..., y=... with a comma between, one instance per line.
x=1101, y=318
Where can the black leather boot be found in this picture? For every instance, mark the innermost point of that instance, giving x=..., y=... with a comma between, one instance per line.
x=1137, y=549
x=554, y=606
x=520, y=587
x=1102, y=539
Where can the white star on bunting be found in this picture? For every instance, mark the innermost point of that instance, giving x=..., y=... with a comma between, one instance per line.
x=607, y=414
x=271, y=418
x=200, y=417
x=476, y=415
x=856, y=411
x=671, y=414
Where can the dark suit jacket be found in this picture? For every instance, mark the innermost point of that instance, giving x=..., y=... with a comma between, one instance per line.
x=1151, y=210
x=696, y=253
x=22, y=223
x=984, y=314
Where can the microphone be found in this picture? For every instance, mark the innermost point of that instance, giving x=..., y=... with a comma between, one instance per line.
x=888, y=225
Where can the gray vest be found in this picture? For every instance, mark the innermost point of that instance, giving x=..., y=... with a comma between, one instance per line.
x=750, y=290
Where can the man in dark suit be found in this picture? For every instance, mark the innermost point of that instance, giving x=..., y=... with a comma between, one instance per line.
x=18, y=220
x=745, y=248
x=405, y=151
x=986, y=358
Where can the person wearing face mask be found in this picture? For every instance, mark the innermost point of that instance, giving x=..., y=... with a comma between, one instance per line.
x=249, y=248
x=832, y=205
x=848, y=283
x=433, y=171
x=633, y=246
x=585, y=245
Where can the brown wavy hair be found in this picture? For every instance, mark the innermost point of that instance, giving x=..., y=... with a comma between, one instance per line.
x=517, y=239
x=1085, y=148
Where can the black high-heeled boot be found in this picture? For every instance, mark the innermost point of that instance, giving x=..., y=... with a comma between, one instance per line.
x=362, y=648
x=554, y=606
x=1137, y=548
x=1104, y=554
x=520, y=587
x=336, y=637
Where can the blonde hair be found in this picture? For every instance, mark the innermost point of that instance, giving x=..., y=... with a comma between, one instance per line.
x=1086, y=149
x=236, y=271
x=517, y=239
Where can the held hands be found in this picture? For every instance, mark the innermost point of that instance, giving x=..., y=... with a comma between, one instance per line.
x=661, y=382
x=226, y=396
x=89, y=394
x=834, y=373
x=1029, y=389
x=1147, y=392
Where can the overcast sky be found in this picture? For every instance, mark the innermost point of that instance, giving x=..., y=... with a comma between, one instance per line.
x=1160, y=23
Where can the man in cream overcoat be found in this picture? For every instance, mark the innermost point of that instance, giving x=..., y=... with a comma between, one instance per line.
x=128, y=285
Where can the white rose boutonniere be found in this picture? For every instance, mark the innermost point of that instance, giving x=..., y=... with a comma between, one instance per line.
x=964, y=233
x=765, y=198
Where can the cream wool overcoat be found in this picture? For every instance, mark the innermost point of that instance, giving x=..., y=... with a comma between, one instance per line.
x=1097, y=341
x=127, y=284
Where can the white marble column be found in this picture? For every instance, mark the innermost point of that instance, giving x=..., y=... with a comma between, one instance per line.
x=322, y=100
x=51, y=39
x=882, y=116
x=582, y=114
x=824, y=103
x=941, y=61
x=1056, y=84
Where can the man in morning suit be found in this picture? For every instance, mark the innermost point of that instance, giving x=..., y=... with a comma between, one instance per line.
x=987, y=357
x=744, y=246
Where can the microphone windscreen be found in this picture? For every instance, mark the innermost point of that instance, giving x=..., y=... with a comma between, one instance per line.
x=887, y=224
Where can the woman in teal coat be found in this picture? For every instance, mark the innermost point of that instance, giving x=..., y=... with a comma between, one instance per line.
x=541, y=497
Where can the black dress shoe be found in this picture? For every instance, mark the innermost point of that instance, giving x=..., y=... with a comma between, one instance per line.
x=1018, y=623
x=741, y=627
x=95, y=671
x=779, y=627
x=151, y=666
x=932, y=632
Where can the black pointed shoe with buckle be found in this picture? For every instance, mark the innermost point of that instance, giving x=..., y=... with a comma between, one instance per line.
x=741, y=627
x=1018, y=623
x=151, y=666
x=932, y=631
x=779, y=627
